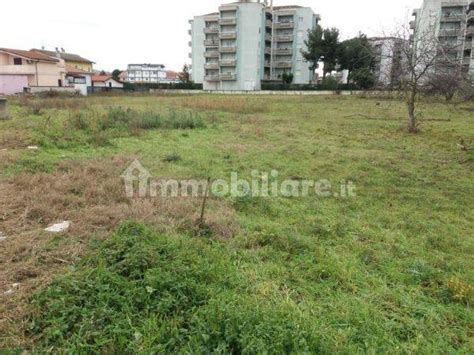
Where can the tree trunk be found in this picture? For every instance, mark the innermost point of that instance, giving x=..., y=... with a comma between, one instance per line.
x=412, y=124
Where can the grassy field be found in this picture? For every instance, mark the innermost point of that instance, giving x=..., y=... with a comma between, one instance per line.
x=388, y=270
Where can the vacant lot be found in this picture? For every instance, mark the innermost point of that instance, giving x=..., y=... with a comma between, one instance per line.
x=389, y=269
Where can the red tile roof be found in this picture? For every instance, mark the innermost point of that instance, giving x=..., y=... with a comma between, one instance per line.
x=171, y=74
x=101, y=78
x=32, y=55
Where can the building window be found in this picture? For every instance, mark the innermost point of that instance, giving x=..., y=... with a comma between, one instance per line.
x=17, y=61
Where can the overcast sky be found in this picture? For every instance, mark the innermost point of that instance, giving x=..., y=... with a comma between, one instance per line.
x=115, y=33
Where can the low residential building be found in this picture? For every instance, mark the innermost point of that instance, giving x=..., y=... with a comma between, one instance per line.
x=73, y=60
x=453, y=23
x=123, y=76
x=388, y=60
x=79, y=79
x=105, y=82
x=247, y=42
x=21, y=70
x=146, y=73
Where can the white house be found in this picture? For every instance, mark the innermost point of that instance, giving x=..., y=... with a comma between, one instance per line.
x=105, y=82
x=79, y=79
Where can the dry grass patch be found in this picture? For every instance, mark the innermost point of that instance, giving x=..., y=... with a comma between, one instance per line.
x=91, y=195
x=232, y=104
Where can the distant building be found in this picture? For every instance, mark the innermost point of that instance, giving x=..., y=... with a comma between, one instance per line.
x=104, y=83
x=73, y=60
x=146, y=73
x=453, y=23
x=123, y=76
x=388, y=60
x=22, y=69
x=247, y=42
x=79, y=79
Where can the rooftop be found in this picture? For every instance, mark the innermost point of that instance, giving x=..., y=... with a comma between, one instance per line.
x=69, y=57
x=31, y=55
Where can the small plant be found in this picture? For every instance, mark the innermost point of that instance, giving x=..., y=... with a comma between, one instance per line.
x=460, y=291
x=172, y=158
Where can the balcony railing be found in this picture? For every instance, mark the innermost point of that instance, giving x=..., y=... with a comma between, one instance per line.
x=228, y=76
x=470, y=15
x=267, y=63
x=466, y=61
x=228, y=7
x=17, y=69
x=284, y=38
x=449, y=32
x=211, y=54
x=228, y=35
x=228, y=63
x=470, y=31
x=211, y=66
x=468, y=45
x=211, y=43
x=227, y=21
x=228, y=49
x=268, y=50
x=211, y=77
x=211, y=30
x=453, y=17
x=283, y=65
x=283, y=51
x=286, y=24
x=211, y=18
x=268, y=37
x=268, y=23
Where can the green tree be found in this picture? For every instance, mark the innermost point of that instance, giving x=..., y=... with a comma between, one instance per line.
x=314, y=46
x=322, y=45
x=356, y=53
x=287, y=78
x=185, y=75
x=116, y=74
x=363, y=77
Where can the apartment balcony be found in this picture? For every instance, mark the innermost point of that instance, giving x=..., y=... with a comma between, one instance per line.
x=17, y=69
x=412, y=25
x=284, y=38
x=468, y=45
x=228, y=35
x=283, y=25
x=228, y=21
x=285, y=12
x=466, y=61
x=283, y=65
x=283, y=51
x=269, y=23
x=268, y=37
x=211, y=54
x=228, y=7
x=470, y=15
x=211, y=43
x=228, y=63
x=211, y=30
x=453, y=17
x=228, y=49
x=228, y=77
x=470, y=31
x=212, y=66
x=267, y=64
x=449, y=33
x=211, y=18
x=211, y=77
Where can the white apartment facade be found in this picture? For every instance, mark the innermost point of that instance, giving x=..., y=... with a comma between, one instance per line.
x=248, y=42
x=453, y=23
x=146, y=73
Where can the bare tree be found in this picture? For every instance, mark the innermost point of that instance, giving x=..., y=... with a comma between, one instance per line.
x=420, y=55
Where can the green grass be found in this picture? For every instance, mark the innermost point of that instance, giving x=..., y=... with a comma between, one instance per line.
x=387, y=271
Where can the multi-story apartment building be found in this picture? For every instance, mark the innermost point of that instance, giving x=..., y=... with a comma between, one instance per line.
x=388, y=60
x=247, y=42
x=453, y=23
x=146, y=73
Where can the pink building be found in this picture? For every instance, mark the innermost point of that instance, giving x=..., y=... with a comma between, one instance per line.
x=21, y=69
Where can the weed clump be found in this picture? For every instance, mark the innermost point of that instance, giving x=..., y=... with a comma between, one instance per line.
x=96, y=128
